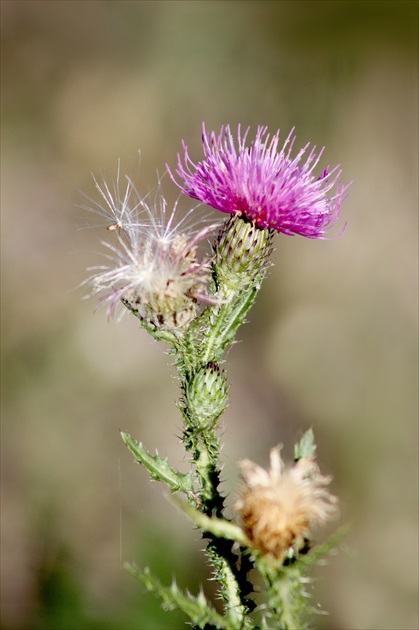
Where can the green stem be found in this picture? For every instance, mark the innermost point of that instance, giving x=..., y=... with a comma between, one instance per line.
x=206, y=467
x=286, y=601
x=238, y=270
x=226, y=323
x=238, y=273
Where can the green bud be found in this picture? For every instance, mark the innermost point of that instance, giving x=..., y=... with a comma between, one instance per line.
x=205, y=396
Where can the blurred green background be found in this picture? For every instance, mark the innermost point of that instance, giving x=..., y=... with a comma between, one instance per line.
x=331, y=343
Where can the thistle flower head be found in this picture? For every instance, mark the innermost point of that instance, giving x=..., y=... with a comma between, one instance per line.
x=152, y=263
x=278, y=507
x=262, y=184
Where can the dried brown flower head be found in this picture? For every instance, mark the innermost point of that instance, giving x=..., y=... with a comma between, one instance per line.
x=278, y=507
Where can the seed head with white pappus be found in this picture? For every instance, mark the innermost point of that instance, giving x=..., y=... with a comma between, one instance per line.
x=278, y=507
x=152, y=264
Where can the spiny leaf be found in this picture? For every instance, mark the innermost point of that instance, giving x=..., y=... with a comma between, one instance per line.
x=159, y=468
x=196, y=608
x=319, y=551
x=306, y=447
x=219, y=527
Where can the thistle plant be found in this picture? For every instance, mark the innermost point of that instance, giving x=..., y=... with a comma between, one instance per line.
x=153, y=268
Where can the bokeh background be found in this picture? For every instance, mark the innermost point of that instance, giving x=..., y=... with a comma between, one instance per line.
x=331, y=343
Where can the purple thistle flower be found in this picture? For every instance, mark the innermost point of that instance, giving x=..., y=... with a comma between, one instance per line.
x=263, y=185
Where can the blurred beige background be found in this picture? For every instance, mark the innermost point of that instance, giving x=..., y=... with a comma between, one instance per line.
x=331, y=343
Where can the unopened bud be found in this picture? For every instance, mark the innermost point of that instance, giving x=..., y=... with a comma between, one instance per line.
x=206, y=395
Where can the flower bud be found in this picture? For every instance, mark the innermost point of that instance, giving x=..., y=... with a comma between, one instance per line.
x=205, y=396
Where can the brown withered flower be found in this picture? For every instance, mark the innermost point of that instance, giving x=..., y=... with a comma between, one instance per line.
x=278, y=507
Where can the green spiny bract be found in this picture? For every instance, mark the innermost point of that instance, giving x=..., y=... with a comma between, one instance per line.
x=241, y=253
